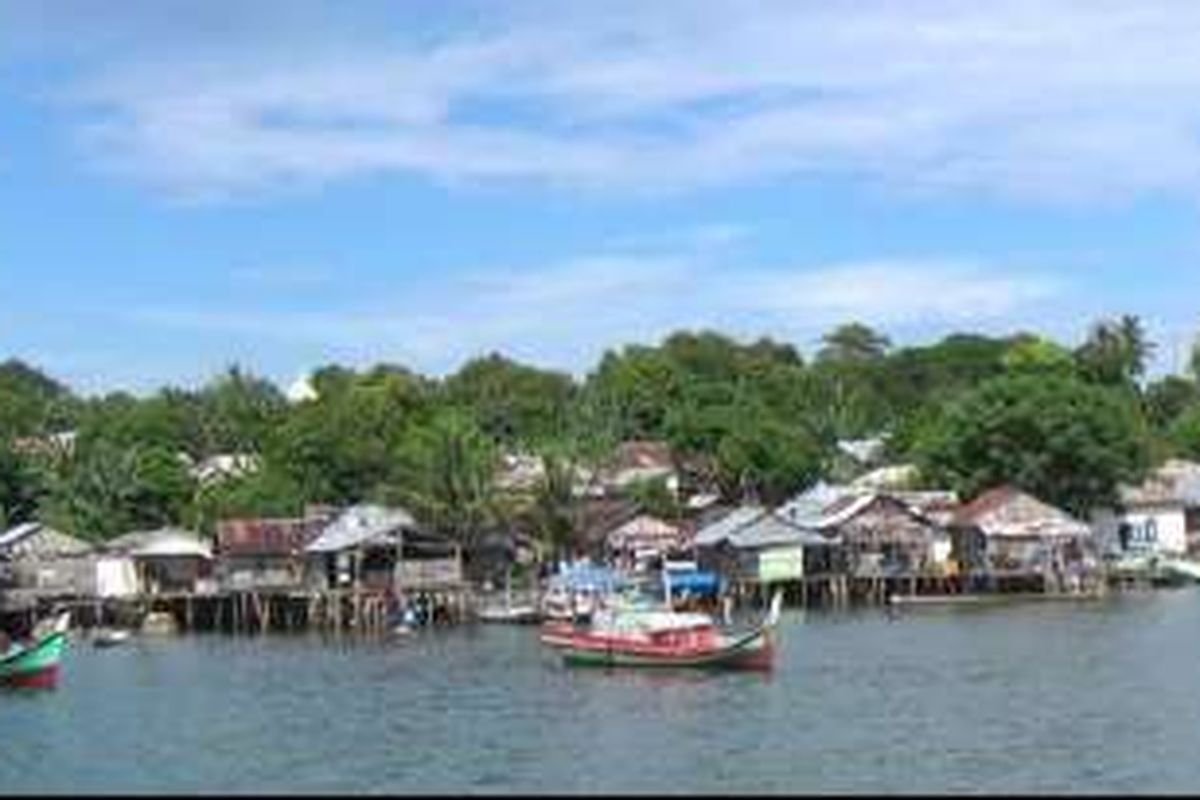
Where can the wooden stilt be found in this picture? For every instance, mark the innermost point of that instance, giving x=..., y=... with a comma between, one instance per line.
x=264, y=608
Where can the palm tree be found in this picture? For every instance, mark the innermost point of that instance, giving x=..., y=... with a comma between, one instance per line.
x=1194, y=360
x=557, y=508
x=1116, y=351
x=1137, y=347
x=91, y=495
x=446, y=472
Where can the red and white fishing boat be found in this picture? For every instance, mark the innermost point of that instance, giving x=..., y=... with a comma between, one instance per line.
x=640, y=636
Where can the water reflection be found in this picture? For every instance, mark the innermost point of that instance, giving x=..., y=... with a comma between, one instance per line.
x=661, y=677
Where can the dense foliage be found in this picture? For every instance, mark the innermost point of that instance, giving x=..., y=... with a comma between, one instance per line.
x=748, y=420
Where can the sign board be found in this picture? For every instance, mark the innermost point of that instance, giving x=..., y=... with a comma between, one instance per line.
x=781, y=564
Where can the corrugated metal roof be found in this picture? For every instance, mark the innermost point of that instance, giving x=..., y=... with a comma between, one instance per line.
x=126, y=542
x=36, y=539
x=1006, y=511
x=363, y=525
x=809, y=508
x=13, y=535
x=644, y=528
x=726, y=526
x=826, y=504
x=843, y=509
x=771, y=529
x=172, y=542
x=268, y=536
x=1177, y=482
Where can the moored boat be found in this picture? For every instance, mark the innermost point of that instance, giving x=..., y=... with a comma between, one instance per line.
x=512, y=615
x=160, y=623
x=110, y=637
x=509, y=612
x=36, y=665
x=647, y=637
x=1181, y=569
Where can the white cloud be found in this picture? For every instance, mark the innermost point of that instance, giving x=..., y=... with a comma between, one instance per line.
x=904, y=292
x=1073, y=100
x=565, y=315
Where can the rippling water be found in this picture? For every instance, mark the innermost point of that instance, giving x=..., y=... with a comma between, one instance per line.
x=1091, y=696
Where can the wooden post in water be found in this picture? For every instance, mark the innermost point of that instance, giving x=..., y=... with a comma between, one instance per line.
x=264, y=612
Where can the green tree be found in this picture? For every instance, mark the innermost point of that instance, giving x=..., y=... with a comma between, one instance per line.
x=22, y=485
x=513, y=403
x=267, y=492
x=1034, y=354
x=106, y=490
x=654, y=497
x=238, y=411
x=853, y=343
x=32, y=403
x=1066, y=441
x=1168, y=398
x=637, y=387
x=446, y=474
x=766, y=459
x=165, y=420
x=1183, y=433
x=341, y=448
x=557, y=509
x=1116, y=351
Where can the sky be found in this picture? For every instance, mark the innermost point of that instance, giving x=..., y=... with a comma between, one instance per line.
x=284, y=184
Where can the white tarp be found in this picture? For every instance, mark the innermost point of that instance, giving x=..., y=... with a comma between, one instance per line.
x=115, y=577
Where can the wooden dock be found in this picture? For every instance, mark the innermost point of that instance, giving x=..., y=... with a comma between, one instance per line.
x=840, y=590
x=992, y=599
x=370, y=611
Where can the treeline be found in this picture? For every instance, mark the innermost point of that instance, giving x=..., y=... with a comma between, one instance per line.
x=747, y=420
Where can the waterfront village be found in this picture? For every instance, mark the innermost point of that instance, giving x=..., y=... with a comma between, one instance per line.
x=870, y=539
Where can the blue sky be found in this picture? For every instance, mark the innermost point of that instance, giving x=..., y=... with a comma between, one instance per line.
x=184, y=185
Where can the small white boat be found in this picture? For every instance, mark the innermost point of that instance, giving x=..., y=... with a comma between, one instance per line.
x=521, y=613
x=512, y=615
x=110, y=637
x=1181, y=568
x=160, y=623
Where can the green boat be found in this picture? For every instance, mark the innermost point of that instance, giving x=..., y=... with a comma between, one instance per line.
x=36, y=665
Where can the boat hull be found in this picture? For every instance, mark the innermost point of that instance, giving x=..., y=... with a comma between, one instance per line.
x=752, y=651
x=1181, y=570
x=557, y=633
x=35, y=667
x=519, y=615
x=111, y=638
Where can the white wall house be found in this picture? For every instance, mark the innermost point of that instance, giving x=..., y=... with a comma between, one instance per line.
x=1158, y=529
x=1151, y=519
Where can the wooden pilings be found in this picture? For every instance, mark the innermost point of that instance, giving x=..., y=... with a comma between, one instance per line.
x=366, y=611
x=837, y=590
